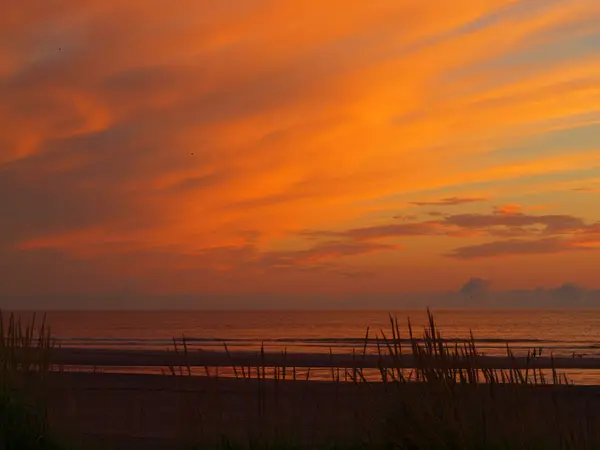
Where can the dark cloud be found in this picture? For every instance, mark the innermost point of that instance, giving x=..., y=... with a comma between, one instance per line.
x=526, y=234
x=491, y=224
x=476, y=293
x=475, y=287
x=393, y=230
x=555, y=223
x=585, y=189
x=406, y=217
x=546, y=233
x=514, y=247
x=511, y=232
x=450, y=201
x=569, y=292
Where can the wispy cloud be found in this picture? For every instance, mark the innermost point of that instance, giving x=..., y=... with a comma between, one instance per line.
x=551, y=224
x=450, y=201
x=490, y=224
x=585, y=189
x=117, y=141
x=526, y=233
x=322, y=252
x=514, y=247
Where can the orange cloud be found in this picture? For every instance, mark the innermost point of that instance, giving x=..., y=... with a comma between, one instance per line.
x=218, y=131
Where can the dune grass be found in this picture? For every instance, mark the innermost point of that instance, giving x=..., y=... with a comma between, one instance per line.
x=439, y=395
x=429, y=358
x=459, y=403
x=24, y=361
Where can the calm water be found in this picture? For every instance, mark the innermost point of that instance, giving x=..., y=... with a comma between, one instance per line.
x=562, y=332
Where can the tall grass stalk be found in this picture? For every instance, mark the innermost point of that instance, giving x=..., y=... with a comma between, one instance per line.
x=25, y=359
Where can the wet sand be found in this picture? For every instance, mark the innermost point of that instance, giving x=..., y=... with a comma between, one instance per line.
x=159, y=358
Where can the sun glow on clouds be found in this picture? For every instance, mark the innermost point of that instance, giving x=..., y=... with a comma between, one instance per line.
x=213, y=144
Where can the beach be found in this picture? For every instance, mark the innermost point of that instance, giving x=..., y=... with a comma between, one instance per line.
x=144, y=342
x=155, y=411
x=424, y=391
x=124, y=408
x=202, y=358
x=307, y=225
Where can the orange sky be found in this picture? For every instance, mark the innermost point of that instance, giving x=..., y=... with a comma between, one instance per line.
x=278, y=146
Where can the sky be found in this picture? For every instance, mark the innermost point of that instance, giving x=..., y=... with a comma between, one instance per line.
x=283, y=148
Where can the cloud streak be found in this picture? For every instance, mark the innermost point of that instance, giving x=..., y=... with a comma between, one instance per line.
x=527, y=234
x=491, y=224
x=450, y=201
x=514, y=247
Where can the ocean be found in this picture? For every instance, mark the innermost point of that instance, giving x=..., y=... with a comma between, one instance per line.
x=564, y=332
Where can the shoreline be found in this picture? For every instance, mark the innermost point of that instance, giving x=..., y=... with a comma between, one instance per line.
x=76, y=356
x=149, y=382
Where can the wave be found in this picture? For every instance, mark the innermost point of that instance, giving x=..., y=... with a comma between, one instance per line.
x=318, y=342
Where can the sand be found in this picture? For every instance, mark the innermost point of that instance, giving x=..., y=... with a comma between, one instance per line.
x=120, y=408
x=163, y=411
x=159, y=358
x=159, y=411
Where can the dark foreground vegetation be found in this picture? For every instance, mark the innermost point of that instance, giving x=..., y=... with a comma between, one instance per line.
x=445, y=400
